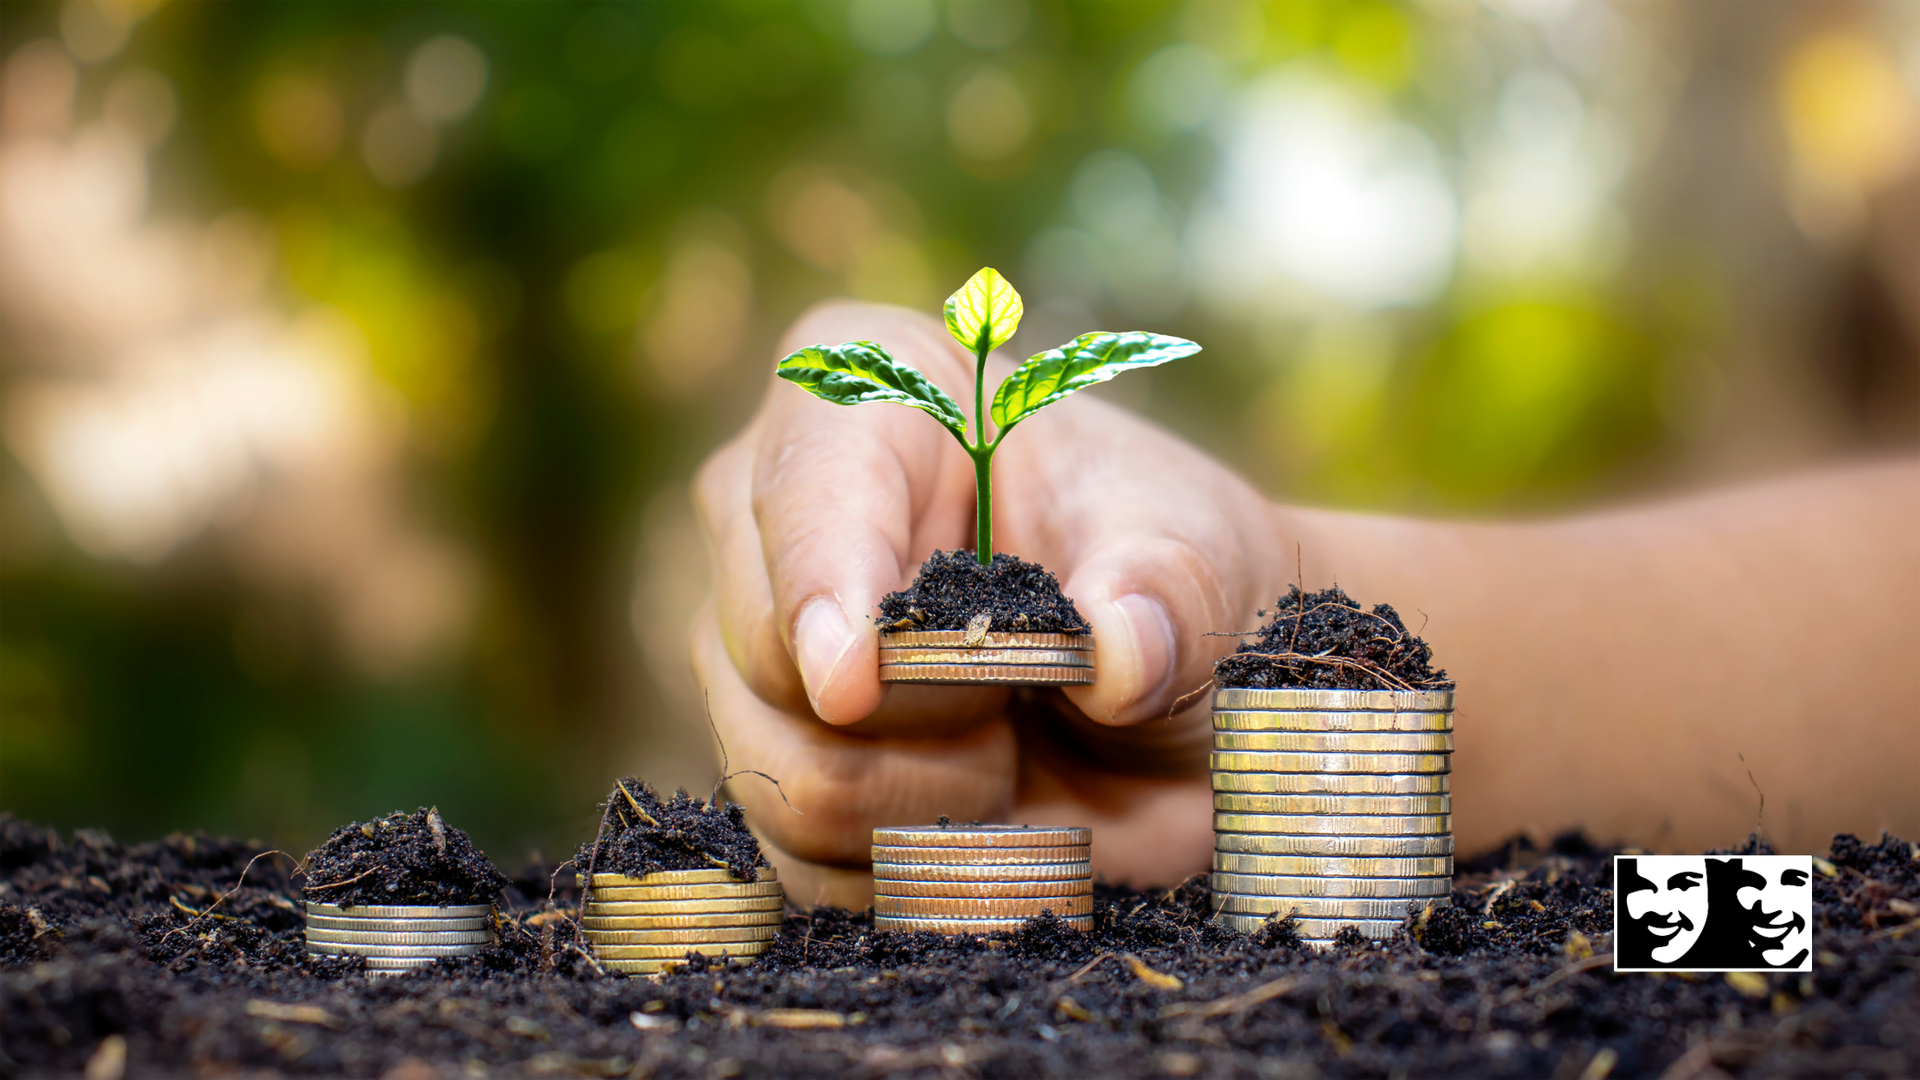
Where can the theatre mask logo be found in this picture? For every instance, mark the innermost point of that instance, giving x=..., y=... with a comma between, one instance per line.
x=1713, y=913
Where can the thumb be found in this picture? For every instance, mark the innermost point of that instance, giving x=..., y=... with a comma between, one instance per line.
x=1150, y=602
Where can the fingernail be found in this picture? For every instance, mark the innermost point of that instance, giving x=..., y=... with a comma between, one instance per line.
x=821, y=639
x=1152, y=630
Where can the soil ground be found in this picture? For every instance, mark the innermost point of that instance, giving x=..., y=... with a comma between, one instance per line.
x=402, y=858
x=115, y=955
x=952, y=587
x=1327, y=641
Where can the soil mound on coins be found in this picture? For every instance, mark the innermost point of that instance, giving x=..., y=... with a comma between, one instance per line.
x=402, y=858
x=165, y=952
x=641, y=832
x=1327, y=641
x=952, y=588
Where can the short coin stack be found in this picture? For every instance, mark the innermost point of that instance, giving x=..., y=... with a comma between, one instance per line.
x=977, y=879
x=398, y=937
x=970, y=657
x=645, y=925
x=1331, y=805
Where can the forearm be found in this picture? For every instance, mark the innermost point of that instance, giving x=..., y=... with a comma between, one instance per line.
x=1615, y=668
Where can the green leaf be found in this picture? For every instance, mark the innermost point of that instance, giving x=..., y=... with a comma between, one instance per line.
x=861, y=371
x=985, y=312
x=1087, y=359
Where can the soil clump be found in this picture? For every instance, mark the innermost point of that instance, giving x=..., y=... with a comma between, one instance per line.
x=640, y=833
x=402, y=858
x=952, y=588
x=1326, y=641
x=1511, y=981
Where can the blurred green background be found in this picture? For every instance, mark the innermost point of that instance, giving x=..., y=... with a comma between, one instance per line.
x=356, y=356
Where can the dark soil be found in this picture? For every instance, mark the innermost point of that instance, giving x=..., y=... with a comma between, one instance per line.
x=953, y=587
x=94, y=945
x=641, y=832
x=1327, y=641
x=402, y=858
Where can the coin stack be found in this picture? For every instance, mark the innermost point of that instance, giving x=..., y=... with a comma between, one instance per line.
x=976, y=657
x=645, y=925
x=398, y=937
x=976, y=879
x=1331, y=805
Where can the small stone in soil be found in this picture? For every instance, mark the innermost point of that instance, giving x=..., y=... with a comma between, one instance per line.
x=402, y=858
x=681, y=833
x=1334, y=645
x=952, y=587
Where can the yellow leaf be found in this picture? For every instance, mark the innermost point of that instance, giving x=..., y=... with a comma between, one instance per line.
x=984, y=312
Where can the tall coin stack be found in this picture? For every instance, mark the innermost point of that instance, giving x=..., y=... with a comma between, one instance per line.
x=976, y=879
x=398, y=937
x=645, y=925
x=976, y=657
x=1331, y=805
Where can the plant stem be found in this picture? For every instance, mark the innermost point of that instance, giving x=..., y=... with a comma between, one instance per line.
x=982, y=453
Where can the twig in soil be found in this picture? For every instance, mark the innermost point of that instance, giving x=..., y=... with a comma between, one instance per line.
x=337, y=884
x=1234, y=1003
x=1759, y=819
x=438, y=828
x=1598, y=960
x=1299, y=575
x=635, y=803
x=208, y=910
x=1089, y=966
x=725, y=775
x=191, y=913
x=1195, y=692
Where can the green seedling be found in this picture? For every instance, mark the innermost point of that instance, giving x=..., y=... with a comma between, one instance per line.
x=982, y=315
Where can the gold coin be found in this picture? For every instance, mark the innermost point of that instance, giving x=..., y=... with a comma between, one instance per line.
x=714, y=876
x=1292, y=885
x=690, y=904
x=1337, y=742
x=986, y=674
x=401, y=911
x=1309, y=866
x=1318, y=930
x=983, y=836
x=1335, y=825
x=674, y=952
x=1319, y=907
x=928, y=907
x=682, y=935
x=945, y=856
x=1235, y=698
x=1373, y=764
x=1067, y=871
x=953, y=927
x=641, y=967
x=328, y=948
x=1014, y=657
x=376, y=937
x=594, y=923
x=983, y=889
x=1254, y=783
x=1333, y=721
x=1332, y=804
x=953, y=639
x=662, y=893
x=398, y=926
x=1394, y=847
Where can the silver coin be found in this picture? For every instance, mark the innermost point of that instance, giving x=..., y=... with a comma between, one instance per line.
x=682, y=934
x=1254, y=783
x=1060, y=871
x=986, y=674
x=374, y=937
x=954, y=927
x=967, y=657
x=1317, y=907
x=393, y=965
x=943, y=907
x=982, y=890
x=1393, y=847
x=712, y=876
x=327, y=948
x=1375, y=764
x=1323, y=929
x=1333, y=721
x=983, y=836
x=1440, y=866
x=398, y=926
x=397, y=911
x=940, y=856
x=1401, y=805
x=1236, y=698
x=966, y=639
x=1336, y=742
x=1295, y=885
x=1335, y=825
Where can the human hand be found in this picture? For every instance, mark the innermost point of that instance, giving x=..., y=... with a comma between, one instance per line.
x=815, y=511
